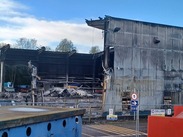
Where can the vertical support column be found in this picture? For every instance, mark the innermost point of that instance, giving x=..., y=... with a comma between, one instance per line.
x=93, y=81
x=1, y=78
x=106, y=47
x=33, y=97
x=67, y=71
x=106, y=64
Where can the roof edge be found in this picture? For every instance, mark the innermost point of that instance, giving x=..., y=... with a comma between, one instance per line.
x=101, y=21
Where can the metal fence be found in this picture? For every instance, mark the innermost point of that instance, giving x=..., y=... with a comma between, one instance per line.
x=129, y=118
x=95, y=108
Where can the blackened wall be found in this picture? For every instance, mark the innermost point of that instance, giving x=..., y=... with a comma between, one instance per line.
x=51, y=65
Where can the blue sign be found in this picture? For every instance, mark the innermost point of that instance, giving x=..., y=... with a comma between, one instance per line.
x=133, y=108
x=134, y=104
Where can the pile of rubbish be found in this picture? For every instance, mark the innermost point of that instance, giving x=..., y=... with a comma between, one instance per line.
x=61, y=92
x=51, y=95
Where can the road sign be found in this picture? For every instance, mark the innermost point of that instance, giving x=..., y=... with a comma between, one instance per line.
x=134, y=96
x=134, y=104
x=133, y=108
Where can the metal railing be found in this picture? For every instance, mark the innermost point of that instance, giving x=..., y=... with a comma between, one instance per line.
x=94, y=108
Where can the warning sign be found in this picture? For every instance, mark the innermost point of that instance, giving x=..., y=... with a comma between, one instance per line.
x=134, y=96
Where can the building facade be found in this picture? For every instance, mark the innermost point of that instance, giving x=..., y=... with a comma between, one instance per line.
x=148, y=60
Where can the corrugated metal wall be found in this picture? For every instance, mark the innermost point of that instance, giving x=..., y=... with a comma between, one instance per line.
x=152, y=69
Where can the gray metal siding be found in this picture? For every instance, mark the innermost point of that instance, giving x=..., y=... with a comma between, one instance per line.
x=139, y=63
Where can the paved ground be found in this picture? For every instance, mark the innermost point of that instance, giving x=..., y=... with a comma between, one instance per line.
x=115, y=129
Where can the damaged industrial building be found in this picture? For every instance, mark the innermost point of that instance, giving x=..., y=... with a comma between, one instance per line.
x=139, y=57
x=59, y=69
x=148, y=60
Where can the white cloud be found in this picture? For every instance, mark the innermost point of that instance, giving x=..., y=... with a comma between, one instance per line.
x=19, y=24
x=11, y=8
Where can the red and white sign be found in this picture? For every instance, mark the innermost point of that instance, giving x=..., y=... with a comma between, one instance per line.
x=134, y=96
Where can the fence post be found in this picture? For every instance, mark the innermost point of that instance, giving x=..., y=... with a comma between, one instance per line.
x=77, y=103
x=90, y=113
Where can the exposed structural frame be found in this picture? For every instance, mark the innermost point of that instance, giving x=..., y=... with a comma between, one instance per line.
x=57, y=68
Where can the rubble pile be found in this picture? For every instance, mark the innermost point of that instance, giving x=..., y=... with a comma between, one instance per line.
x=61, y=92
x=56, y=97
x=55, y=94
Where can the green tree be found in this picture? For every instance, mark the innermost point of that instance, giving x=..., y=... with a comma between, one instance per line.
x=65, y=46
x=25, y=43
x=94, y=49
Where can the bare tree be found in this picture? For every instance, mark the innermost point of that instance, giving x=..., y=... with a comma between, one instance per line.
x=65, y=46
x=25, y=43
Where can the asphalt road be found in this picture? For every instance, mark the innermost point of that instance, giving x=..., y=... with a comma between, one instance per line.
x=115, y=129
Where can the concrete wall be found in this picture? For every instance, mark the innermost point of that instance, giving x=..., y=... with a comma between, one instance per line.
x=152, y=69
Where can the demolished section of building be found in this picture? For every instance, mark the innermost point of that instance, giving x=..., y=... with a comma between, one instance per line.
x=58, y=69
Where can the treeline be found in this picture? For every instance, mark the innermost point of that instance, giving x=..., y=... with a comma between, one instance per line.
x=19, y=74
x=65, y=45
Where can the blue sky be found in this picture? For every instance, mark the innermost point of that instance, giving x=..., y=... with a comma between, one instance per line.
x=50, y=21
